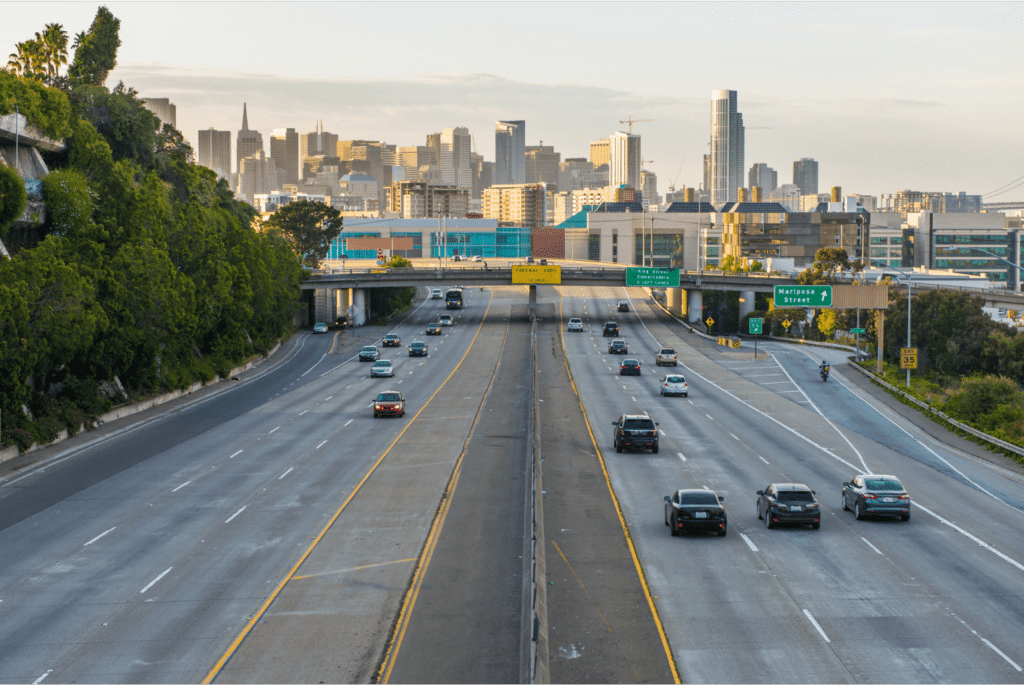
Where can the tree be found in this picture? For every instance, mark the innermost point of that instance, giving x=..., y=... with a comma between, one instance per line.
x=96, y=50
x=12, y=197
x=27, y=62
x=308, y=227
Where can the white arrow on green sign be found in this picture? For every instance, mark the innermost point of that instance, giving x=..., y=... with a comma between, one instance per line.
x=649, y=277
x=755, y=326
x=858, y=331
x=805, y=296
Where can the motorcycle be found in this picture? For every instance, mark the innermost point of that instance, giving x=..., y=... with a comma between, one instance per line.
x=824, y=372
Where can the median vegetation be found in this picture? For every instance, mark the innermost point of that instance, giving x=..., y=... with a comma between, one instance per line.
x=147, y=274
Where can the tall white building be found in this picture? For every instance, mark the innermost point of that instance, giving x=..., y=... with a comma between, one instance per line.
x=624, y=165
x=509, y=152
x=456, y=148
x=725, y=165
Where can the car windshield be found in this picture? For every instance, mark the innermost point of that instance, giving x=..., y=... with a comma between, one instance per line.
x=882, y=484
x=796, y=496
x=382, y=362
x=417, y=344
x=638, y=424
x=618, y=343
x=575, y=320
x=369, y=349
x=630, y=362
x=390, y=337
x=388, y=397
x=668, y=351
x=697, y=498
x=675, y=379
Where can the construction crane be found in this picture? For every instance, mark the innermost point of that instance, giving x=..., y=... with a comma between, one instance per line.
x=672, y=185
x=630, y=120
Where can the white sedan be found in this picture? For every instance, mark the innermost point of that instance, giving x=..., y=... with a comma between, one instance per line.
x=382, y=368
x=445, y=320
x=576, y=325
x=674, y=384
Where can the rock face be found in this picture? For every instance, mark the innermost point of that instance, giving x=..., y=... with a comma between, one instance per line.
x=20, y=143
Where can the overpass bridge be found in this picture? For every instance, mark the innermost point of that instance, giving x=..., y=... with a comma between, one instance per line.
x=338, y=290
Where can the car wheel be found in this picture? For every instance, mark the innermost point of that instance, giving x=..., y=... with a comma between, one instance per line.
x=768, y=519
x=905, y=517
x=654, y=450
x=686, y=394
x=618, y=447
x=757, y=508
x=845, y=508
x=675, y=363
x=376, y=415
x=815, y=526
x=674, y=529
x=857, y=513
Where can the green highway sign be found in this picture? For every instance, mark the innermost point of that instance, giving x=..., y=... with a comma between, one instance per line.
x=806, y=296
x=858, y=331
x=649, y=277
x=755, y=326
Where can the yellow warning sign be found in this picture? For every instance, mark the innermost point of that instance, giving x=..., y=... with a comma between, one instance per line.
x=547, y=275
x=709, y=321
x=908, y=357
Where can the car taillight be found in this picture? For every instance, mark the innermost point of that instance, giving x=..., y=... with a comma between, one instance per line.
x=868, y=496
x=904, y=496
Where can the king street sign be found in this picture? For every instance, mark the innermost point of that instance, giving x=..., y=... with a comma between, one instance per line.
x=652, y=278
x=805, y=296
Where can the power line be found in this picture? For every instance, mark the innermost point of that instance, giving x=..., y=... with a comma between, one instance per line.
x=993, y=192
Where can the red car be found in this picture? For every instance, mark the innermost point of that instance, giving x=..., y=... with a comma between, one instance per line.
x=389, y=403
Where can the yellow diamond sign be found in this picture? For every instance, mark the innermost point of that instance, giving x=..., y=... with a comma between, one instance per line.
x=786, y=324
x=710, y=322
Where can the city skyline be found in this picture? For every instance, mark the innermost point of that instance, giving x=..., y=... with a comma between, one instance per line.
x=870, y=131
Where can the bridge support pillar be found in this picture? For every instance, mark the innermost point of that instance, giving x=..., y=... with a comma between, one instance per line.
x=533, y=302
x=675, y=299
x=357, y=310
x=344, y=301
x=323, y=305
x=694, y=306
x=746, y=303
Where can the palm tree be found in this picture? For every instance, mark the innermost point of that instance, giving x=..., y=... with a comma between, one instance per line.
x=27, y=60
x=54, y=42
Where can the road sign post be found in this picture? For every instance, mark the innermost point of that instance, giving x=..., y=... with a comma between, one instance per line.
x=755, y=330
x=709, y=322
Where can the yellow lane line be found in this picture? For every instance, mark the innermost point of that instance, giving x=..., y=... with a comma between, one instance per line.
x=405, y=614
x=354, y=568
x=273, y=595
x=334, y=342
x=618, y=511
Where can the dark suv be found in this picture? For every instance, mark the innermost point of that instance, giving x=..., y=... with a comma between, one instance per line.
x=635, y=430
x=788, y=503
x=618, y=346
x=611, y=329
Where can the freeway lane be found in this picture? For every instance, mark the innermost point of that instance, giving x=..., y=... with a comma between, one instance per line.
x=872, y=600
x=148, y=573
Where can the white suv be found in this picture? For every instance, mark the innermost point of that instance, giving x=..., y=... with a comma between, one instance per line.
x=576, y=325
x=445, y=320
x=666, y=355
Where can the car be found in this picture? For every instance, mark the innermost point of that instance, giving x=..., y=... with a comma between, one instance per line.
x=630, y=367
x=666, y=356
x=576, y=324
x=695, y=510
x=392, y=340
x=389, y=403
x=543, y=262
x=477, y=258
x=529, y=260
x=369, y=353
x=433, y=328
x=319, y=327
x=638, y=431
x=382, y=368
x=610, y=329
x=788, y=503
x=418, y=349
x=445, y=319
x=457, y=258
x=623, y=306
x=436, y=294
x=674, y=384
x=618, y=346
x=876, y=495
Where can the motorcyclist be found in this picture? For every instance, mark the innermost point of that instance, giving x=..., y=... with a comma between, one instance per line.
x=823, y=368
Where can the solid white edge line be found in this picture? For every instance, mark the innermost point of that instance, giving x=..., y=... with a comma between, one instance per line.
x=816, y=626
x=1000, y=653
x=155, y=580
x=321, y=444
x=98, y=537
x=750, y=544
x=231, y=518
x=971, y=537
x=181, y=486
x=877, y=551
x=290, y=469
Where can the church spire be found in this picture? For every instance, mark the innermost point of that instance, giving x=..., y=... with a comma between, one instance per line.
x=245, y=118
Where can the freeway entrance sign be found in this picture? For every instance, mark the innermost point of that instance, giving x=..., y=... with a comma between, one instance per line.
x=652, y=278
x=806, y=296
x=858, y=331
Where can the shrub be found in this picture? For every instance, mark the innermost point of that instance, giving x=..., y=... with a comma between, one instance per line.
x=12, y=196
x=979, y=396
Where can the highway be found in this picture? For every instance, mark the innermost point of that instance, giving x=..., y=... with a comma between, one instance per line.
x=272, y=530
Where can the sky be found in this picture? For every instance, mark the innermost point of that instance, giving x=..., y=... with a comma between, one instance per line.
x=886, y=96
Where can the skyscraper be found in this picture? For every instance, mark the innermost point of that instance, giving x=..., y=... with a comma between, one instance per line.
x=542, y=164
x=164, y=109
x=726, y=162
x=764, y=177
x=509, y=152
x=805, y=175
x=600, y=153
x=455, y=145
x=215, y=151
x=284, y=150
x=248, y=143
x=317, y=144
x=624, y=164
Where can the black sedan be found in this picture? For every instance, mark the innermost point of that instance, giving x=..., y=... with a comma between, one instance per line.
x=876, y=495
x=433, y=329
x=418, y=349
x=610, y=329
x=788, y=503
x=623, y=306
x=392, y=340
x=630, y=367
x=695, y=510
